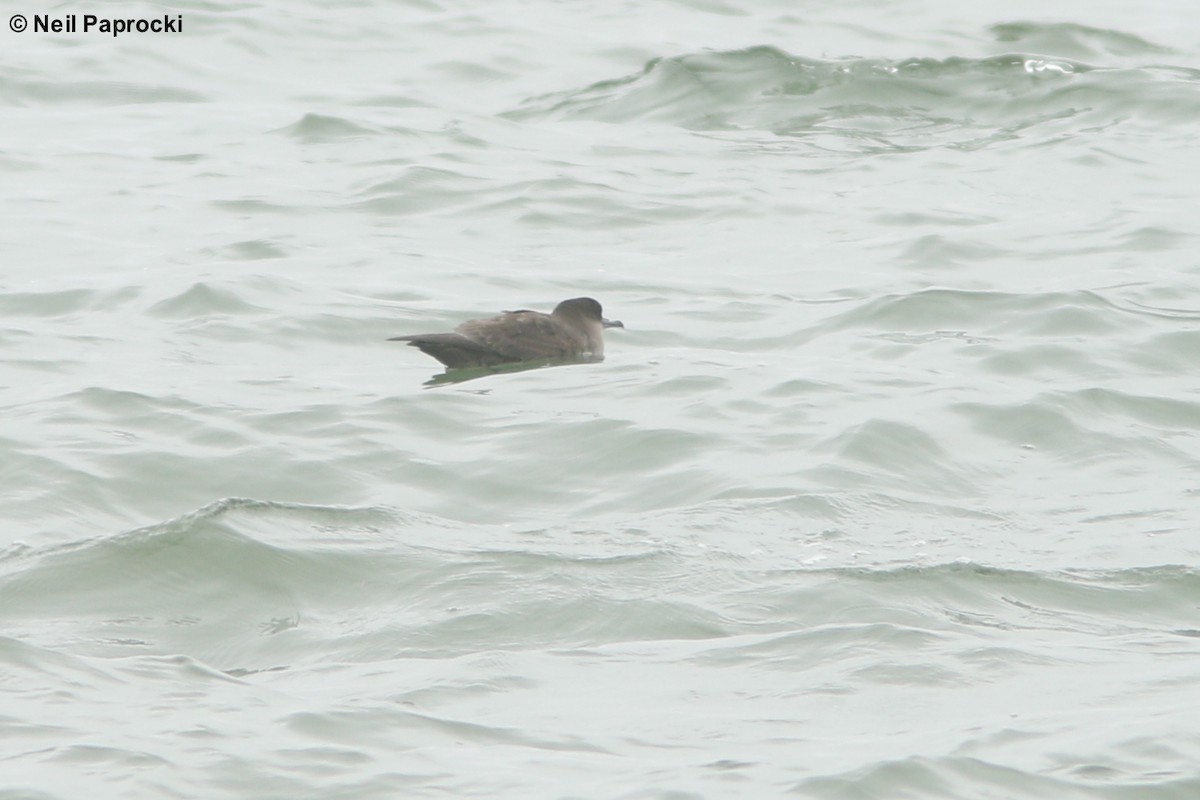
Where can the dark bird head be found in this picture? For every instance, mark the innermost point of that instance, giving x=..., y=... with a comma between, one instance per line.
x=585, y=308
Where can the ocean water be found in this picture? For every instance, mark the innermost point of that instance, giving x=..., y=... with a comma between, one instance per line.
x=890, y=488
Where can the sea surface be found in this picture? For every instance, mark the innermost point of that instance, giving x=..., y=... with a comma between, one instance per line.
x=889, y=488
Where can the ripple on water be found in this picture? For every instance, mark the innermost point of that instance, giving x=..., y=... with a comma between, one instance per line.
x=767, y=88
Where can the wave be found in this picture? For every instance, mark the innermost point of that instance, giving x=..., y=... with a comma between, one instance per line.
x=966, y=776
x=960, y=102
x=248, y=585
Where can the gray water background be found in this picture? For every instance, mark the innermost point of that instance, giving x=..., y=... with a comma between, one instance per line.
x=888, y=489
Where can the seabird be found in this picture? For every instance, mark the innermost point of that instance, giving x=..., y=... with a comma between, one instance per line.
x=574, y=329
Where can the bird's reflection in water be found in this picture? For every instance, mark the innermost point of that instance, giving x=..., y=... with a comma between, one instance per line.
x=464, y=374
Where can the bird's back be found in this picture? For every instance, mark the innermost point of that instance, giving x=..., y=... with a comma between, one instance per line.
x=523, y=336
x=503, y=339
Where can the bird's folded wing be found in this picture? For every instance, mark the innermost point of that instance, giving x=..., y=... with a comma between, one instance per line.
x=454, y=349
x=522, y=336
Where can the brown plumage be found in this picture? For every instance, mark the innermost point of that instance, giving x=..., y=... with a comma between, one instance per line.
x=575, y=329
